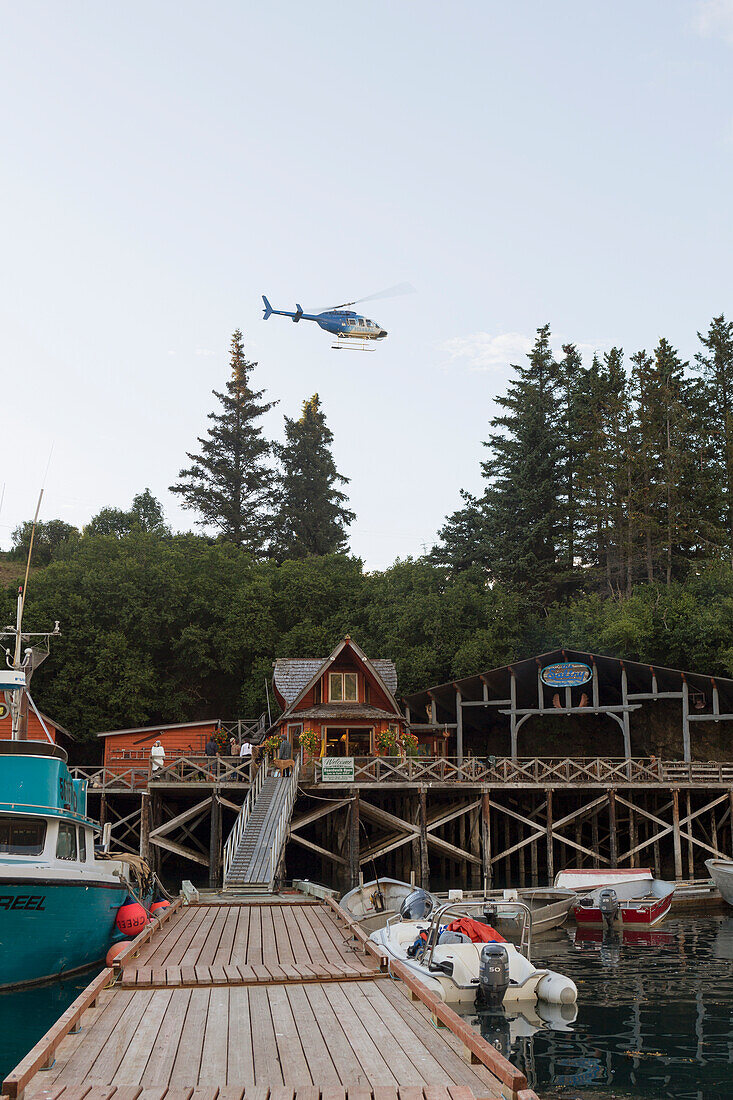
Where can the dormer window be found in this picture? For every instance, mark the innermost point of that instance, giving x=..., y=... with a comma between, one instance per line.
x=342, y=687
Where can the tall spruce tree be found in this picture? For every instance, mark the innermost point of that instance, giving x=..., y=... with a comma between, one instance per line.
x=716, y=444
x=231, y=482
x=312, y=517
x=523, y=498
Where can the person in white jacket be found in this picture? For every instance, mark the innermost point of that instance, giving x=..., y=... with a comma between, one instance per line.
x=157, y=758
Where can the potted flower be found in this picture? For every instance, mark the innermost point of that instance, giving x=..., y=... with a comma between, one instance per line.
x=409, y=741
x=386, y=741
x=310, y=743
x=270, y=746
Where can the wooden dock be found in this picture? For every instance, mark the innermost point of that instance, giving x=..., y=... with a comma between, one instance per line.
x=260, y=1002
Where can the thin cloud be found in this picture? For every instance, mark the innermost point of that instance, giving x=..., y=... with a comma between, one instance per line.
x=482, y=351
x=714, y=18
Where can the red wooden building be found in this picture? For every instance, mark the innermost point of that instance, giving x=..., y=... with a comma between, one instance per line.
x=346, y=699
x=36, y=732
x=123, y=748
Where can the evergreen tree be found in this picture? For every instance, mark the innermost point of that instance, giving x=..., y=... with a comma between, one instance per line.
x=145, y=514
x=523, y=502
x=230, y=482
x=312, y=517
x=463, y=538
x=716, y=444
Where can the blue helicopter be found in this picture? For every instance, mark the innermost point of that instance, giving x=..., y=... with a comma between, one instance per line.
x=351, y=330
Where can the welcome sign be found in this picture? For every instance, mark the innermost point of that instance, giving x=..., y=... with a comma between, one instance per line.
x=570, y=674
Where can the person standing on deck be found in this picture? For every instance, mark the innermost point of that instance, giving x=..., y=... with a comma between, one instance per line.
x=285, y=751
x=245, y=757
x=211, y=751
x=157, y=759
x=233, y=747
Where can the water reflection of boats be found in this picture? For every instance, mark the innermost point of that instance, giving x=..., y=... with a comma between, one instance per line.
x=504, y=1028
x=648, y=937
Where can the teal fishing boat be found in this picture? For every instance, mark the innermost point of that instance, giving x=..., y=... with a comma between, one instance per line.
x=58, y=902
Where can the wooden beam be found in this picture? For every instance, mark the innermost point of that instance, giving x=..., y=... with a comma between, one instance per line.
x=354, y=841
x=179, y=850
x=161, y=830
x=321, y=811
x=321, y=851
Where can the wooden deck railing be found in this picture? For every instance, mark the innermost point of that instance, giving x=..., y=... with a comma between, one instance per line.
x=495, y=771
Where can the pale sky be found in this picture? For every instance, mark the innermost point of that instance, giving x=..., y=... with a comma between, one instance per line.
x=165, y=164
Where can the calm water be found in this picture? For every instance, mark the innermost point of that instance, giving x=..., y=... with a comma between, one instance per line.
x=27, y=1015
x=654, y=1016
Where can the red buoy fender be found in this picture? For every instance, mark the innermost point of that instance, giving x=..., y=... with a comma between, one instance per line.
x=115, y=950
x=131, y=918
x=158, y=906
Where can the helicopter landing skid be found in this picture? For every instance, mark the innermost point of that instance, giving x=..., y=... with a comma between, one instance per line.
x=349, y=343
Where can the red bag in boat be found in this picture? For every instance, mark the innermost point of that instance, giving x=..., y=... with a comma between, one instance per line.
x=476, y=930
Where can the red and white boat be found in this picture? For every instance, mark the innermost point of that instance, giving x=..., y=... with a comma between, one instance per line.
x=617, y=899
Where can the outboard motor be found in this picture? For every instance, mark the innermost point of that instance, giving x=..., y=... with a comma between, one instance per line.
x=493, y=974
x=417, y=906
x=608, y=904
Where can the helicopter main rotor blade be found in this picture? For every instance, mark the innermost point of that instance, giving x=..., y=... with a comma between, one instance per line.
x=391, y=292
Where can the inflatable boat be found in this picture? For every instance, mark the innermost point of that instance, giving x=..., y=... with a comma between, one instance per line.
x=464, y=960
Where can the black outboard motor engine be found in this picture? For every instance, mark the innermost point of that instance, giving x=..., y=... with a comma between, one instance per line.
x=493, y=975
x=608, y=904
x=417, y=906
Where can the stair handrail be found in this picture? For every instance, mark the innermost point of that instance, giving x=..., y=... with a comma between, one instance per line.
x=240, y=824
x=283, y=825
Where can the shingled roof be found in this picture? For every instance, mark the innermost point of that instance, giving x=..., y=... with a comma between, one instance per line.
x=293, y=673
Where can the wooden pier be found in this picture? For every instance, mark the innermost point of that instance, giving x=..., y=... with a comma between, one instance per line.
x=484, y=819
x=280, y=1000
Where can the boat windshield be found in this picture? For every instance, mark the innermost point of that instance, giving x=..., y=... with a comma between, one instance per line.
x=22, y=836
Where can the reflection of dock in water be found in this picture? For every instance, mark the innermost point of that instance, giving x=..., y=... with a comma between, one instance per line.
x=273, y=1001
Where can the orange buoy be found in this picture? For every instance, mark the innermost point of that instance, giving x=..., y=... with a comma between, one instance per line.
x=114, y=951
x=157, y=906
x=131, y=917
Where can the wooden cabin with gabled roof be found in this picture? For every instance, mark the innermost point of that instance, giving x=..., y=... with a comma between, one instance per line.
x=346, y=699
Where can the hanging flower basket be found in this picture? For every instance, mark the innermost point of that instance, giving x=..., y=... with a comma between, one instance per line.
x=270, y=746
x=409, y=742
x=386, y=742
x=310, y=743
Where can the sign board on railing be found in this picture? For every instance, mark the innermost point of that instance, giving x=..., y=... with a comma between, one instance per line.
x=337, y=769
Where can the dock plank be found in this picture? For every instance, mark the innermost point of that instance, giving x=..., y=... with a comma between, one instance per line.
x=240, y=1058
x=188, y=1058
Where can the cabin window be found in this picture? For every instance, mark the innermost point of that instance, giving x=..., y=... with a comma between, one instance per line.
x=83, y=845
x=343, y=687
x=21, y=836
x=66, y=842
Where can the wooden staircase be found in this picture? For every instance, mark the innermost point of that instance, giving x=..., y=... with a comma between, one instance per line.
x=255, y=845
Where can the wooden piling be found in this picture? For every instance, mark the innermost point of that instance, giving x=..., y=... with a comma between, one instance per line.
x=486, y=836
x=424, y=860
x=612, y=833
x=215, y=843
x=354, y=841
x=676, y=834
x=550, y=853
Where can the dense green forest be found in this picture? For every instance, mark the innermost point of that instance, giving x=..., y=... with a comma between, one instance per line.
x=606, y=524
